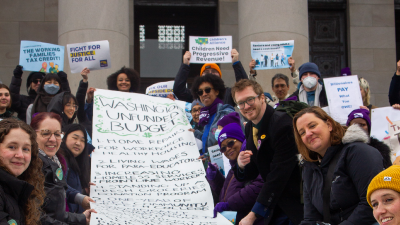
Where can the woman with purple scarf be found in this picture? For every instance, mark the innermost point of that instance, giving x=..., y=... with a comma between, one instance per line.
x=233, y=195
x=210, y=89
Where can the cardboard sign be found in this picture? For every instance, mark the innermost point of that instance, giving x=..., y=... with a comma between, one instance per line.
x=215, y=49
x=93, y=55
x=146, y=165
x=41, y=57
x=272, y=54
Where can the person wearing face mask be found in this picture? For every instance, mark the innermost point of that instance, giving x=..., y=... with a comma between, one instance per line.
x=184, y=94
x=311, y=88
x=21, y=102
x=48, y=130
x=361, y=117
x=74, y=149
x=5, y=102
x=51, y=85
x=233, y=195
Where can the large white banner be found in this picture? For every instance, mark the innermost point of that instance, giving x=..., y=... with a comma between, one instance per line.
x=93, y=55
x=385, y=126
x=343, y=95
x=215, y=49
x=145, y=164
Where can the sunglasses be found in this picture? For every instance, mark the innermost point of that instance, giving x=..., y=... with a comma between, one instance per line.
x=206, y=90
x=229, y=145
x=36, y=81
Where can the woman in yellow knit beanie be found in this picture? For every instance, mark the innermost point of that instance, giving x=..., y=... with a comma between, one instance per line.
x=383, y=196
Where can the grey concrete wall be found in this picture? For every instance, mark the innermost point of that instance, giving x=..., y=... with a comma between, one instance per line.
x=24, y=20
x=96, y=20
x=372, y=45
x=228, y=26
x=262, y=20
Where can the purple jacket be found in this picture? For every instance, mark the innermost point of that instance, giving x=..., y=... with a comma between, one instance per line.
x=240, y=196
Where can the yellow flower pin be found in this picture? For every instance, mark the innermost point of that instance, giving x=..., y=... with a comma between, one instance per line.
x=263, y=136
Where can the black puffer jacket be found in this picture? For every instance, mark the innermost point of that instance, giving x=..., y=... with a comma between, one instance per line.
x=21, y=102
x=54, y=203
x=383, y=149
x=357, y=165
x=14, y=194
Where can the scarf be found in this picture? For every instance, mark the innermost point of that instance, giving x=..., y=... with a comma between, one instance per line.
x=303, y=94
x=54, y=158
x=40, y=103
x=207, y=111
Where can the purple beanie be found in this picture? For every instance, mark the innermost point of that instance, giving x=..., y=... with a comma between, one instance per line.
x=359, y=113
x=232, y=117
x=232, y=130
x=345, y=71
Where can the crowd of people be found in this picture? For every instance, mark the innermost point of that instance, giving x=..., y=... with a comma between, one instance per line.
x=290, y=165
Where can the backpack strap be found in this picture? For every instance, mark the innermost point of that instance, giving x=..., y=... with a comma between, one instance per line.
x=327, y=187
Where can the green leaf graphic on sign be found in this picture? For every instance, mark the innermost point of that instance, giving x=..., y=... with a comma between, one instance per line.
x=147, y=135
x=202, y=41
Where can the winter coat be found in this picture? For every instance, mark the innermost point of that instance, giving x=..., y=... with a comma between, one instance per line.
x=184, y=94
x=21, y=102
x=357, y=165
x=54, y=203
x=14, y=194
x=383, y=149
x=240, y=196
x=323, y=101
x=221, y=111
x=7, y=114
x=276, y=161
x=74, y=182
x=394, y=90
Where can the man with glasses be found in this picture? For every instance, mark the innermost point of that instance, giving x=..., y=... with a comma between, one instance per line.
x=311, y=90
x=280, y=86
x=183, y=93
x=21, y=102
x=270, y=152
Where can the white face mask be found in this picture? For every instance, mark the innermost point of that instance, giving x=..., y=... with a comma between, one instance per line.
x=309, y=82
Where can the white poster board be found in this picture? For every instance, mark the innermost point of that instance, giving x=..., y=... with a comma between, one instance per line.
x=385, y=126
x=343, y=94
x=216, y=49
x=271, y=54
x=146, y=165
x=161, y=89
x=220, y=159
x=93, y=55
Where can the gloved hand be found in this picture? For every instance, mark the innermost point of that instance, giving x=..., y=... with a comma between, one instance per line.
x=220, y=207
x=62, y=74
x=18, y=71
x=212, y=171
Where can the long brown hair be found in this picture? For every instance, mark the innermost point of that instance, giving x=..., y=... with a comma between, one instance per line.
x=336, y=136
x=32, y=175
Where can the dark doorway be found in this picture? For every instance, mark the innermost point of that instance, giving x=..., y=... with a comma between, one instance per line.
x=162, y=30
x=328, y=36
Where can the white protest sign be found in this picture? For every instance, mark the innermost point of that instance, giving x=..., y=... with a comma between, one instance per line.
x=271, y=54
x=215, y=49
x=93, y=55
x=385, y=126
x=146, y=165
x=161, y=89
x=343, y=95
x=218, y=158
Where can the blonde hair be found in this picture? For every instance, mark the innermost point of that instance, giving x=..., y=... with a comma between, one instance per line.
x=365, y=86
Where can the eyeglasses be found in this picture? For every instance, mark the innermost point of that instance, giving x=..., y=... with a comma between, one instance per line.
x=250, y=101
x=279, y=85
x=47, y=134
x=72, y=106
x=207, y=90
x=36, y=81
x=195, y=110
x=229, y=145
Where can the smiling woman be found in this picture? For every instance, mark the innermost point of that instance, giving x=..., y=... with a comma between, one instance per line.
x=337, y=155
x=125, y=79
x=5, y=102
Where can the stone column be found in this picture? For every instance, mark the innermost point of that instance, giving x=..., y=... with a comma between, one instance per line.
x=372, y=47
x=271, y=20
x=95, y=20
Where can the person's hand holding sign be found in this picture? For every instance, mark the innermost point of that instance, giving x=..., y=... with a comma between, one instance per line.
x=90, y=94
x=186, y=58
x=252, y=64
x=244, y=158
x=84, y=74
x=235, y=55
x=291, y=62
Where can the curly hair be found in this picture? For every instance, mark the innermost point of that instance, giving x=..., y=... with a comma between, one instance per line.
x=215, y=81
x=32, y=174
x=133, y=76
x=6, y=87
x=336, y=136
